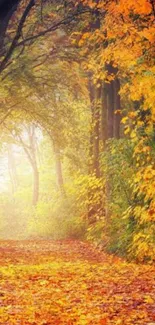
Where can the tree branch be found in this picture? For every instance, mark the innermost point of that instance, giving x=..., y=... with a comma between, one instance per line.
x=10, y=109
x=17, y=36
x=63, y=22
x=26, y=150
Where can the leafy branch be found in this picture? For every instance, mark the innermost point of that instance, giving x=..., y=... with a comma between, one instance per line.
x=17, y=36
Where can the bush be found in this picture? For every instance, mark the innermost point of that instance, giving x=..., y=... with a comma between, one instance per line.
x=56, y=219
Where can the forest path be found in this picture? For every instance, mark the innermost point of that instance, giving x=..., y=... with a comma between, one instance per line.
x=69, y=282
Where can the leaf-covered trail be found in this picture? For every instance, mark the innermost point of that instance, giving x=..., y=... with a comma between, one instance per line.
x=46, y=282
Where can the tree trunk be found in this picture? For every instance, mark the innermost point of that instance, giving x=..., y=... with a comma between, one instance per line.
x=117, y=104
x=35, y=185
x=97, y=109
x=113, y=124
x=110, y=122
x=30, y=151
x=58, y=167
x=91, y=90
x=104, y=114
x=33, y=146
x=12, y=169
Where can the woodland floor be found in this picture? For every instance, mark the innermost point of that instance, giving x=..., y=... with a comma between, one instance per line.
x=46, y=282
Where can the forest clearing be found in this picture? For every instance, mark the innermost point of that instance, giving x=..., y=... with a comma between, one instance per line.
x=77, y=162
x=70, y=282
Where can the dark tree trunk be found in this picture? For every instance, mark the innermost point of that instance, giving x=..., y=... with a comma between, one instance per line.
x=113, y=104
x=97, y=110
x=110, y=122
x=117, y=104
x=91, y=89
x=104, y=113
